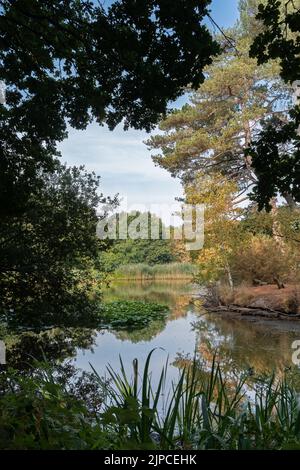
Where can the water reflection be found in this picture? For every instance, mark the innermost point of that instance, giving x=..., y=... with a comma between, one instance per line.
x=175, y=294
x=241, y=345
x=263, y=346
x=187, y=330
x=55, y=344
x=145, y=334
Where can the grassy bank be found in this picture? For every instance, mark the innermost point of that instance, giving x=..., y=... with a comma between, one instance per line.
x=143, y=271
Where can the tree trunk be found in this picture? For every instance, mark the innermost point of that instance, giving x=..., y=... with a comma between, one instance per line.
x=229, y=276
x=290, y=201
x=276, y=225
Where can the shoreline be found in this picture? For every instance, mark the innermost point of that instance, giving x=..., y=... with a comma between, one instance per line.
x=254, y=304
x=239, y=312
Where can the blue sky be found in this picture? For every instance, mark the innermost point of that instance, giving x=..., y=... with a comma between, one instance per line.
x=225, y=12
x=122, y=159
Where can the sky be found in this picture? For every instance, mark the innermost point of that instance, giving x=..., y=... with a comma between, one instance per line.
x=121, y=158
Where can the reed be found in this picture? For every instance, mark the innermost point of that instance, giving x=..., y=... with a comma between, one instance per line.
x=204, y=410
x=143, y=271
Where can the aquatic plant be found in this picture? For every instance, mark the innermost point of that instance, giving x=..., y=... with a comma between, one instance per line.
x=143, y=271
x=131, y=314
x=204, y=409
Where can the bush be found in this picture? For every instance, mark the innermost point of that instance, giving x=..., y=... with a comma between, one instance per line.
x=46, y=410
x=262, y=259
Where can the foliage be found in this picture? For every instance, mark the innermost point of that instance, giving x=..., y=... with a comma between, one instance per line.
x=261, y=223
x=66, y=63
x=134, y=408
x=261, y=259
x=275, y=152
x=209, y=135
x=235, y=123
x=275, y=156
x=280, y=36
x=222, y=232
x=129, y=252
x=207, y=410
x=49, y=256
x=72, y=61
x=239, y=244
x=148, y=333
x=131, y=314
x=248, y=22
x=57, y=344
x=45, y=410
x=135, y=242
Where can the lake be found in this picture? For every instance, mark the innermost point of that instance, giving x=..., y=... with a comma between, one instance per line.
x=188, y=329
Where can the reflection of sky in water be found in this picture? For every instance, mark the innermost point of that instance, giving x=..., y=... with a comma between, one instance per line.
x=177, y=337
x=263, y=346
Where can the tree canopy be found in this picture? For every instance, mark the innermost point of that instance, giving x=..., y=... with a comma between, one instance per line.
x=70, y=61
x=279, y=38
x=275, y=152
x=67, y=63
x=144, y=248
x=224, y=116
x=48, y=268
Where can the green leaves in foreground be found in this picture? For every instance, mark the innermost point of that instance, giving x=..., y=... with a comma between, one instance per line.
x=203, y=409
x=132, y=314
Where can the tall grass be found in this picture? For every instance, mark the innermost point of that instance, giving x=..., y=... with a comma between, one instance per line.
x=144, y=271
x=203, y=410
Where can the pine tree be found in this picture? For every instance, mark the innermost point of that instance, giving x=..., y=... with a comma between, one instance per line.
x=224, y=115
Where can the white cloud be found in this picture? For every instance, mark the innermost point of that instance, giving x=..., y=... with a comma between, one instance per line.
x=124, y=163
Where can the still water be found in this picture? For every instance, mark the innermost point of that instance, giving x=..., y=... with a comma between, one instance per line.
x=188, y=329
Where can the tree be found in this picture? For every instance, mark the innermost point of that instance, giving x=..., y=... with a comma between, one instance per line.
x=279, y=38
x=205, y=144
x=210, y=135
x=68, y=62
x=48, y=257
x=248, y=11
x=141, y=250
x=71, y=61
x=222, y=236
x=239, y=243
x=275, y=153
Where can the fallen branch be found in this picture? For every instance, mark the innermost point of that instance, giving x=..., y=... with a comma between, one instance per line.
x=252, y=311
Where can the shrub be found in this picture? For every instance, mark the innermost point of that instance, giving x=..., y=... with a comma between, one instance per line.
x=42, y=410
x=262, y=259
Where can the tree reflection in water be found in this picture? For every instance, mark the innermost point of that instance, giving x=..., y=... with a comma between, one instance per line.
x=56, y=344
x=241, y=346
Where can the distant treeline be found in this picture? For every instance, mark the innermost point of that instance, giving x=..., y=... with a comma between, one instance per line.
x=144, y=254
